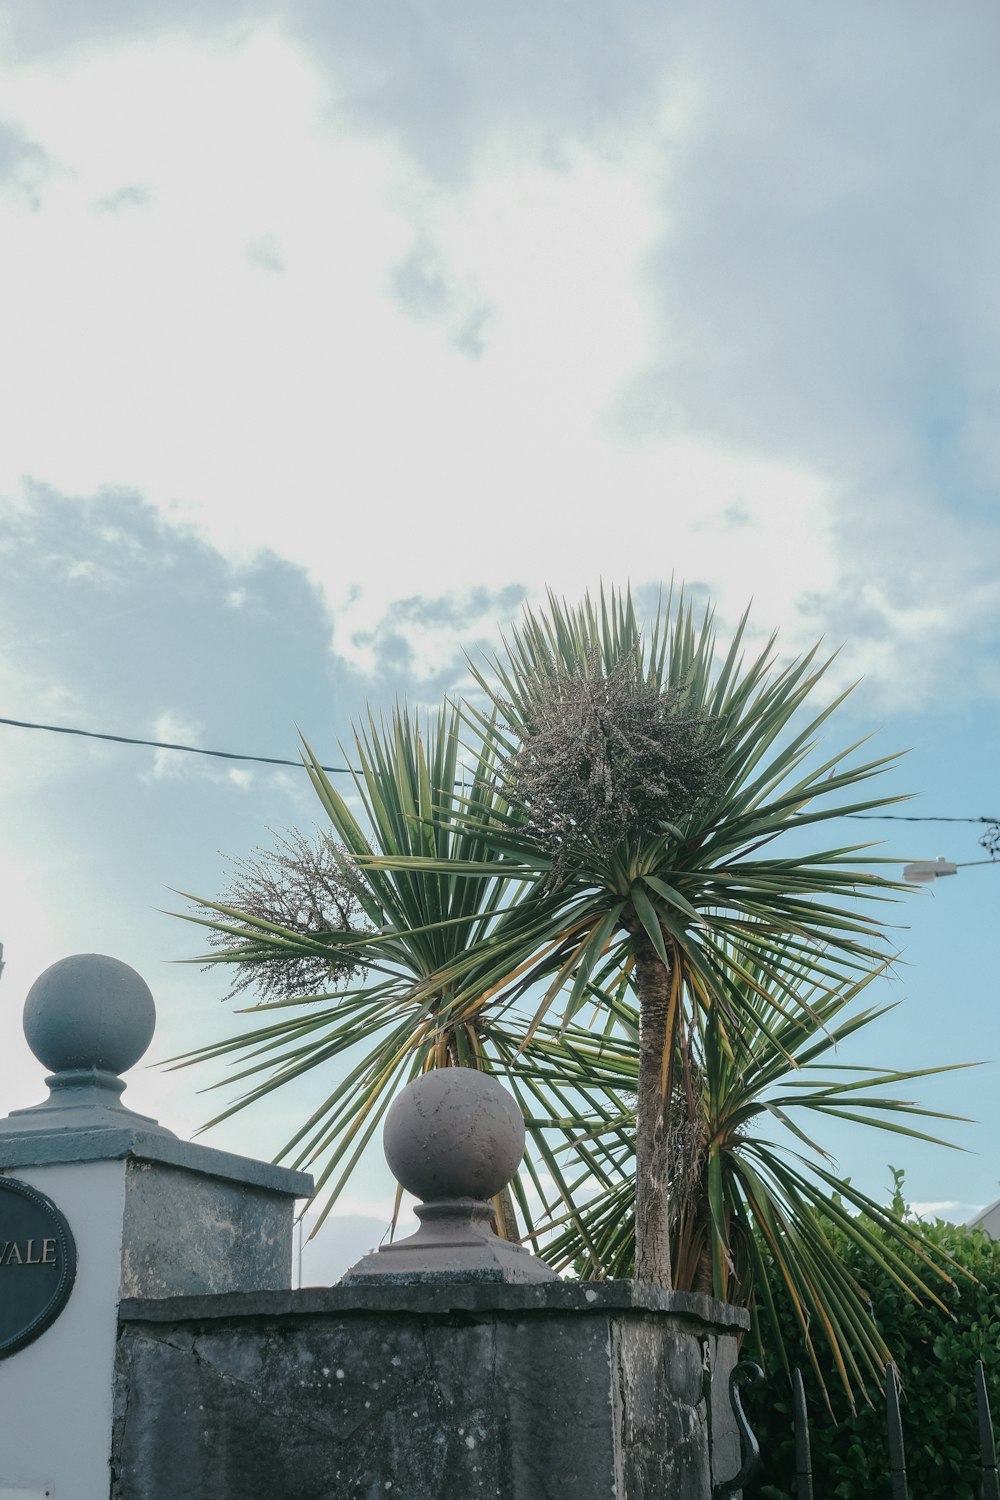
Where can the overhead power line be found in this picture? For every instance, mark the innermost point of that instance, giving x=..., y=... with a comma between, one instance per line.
x=277, y=760
x=913, y=818
x=127, y=739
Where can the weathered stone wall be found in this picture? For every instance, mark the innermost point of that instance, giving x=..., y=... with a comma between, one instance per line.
x=540, y=1392
x=186, y=1232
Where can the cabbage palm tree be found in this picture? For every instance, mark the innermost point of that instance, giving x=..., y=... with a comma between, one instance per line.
x=640, y=815
x=657, y=807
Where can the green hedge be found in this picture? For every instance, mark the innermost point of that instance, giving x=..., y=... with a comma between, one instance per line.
x=935, y=1355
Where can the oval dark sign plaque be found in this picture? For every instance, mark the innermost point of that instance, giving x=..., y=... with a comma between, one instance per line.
x=37, y=1264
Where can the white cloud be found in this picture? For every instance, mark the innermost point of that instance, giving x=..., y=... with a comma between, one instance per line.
x=171, y=764
x=176, y=765
x=30, y=698
x=438, y=396
x=375, y=1204
x=951, y=1209
x=311, y=414
x=32, y=934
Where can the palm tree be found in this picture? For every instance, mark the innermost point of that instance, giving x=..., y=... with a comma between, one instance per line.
x=642, y=790
x=620, y=829
x=757, y=1182
x=357, y=964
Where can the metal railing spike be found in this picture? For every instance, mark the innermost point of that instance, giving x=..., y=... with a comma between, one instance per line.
x=987, y=1446
x=803, y=1450
x=897, y=1452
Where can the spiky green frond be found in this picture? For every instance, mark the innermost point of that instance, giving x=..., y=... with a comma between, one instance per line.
x=415, y=1001
x=764, y=1186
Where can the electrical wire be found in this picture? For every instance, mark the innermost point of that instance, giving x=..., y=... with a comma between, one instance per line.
x=275, y=760
x=126, y=739
x=909, y=817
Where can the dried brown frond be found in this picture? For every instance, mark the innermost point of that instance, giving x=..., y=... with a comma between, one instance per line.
x=304, y=886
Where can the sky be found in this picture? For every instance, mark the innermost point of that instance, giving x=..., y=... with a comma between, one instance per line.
x=332, y=334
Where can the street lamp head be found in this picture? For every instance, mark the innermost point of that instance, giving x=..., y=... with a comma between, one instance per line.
x=925, y=871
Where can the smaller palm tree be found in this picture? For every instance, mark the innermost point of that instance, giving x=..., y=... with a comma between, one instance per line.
x=357, y=963
x=752, y=1184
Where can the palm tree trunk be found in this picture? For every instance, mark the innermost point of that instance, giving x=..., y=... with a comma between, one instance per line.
x=506, y=1218
x=652, y=1224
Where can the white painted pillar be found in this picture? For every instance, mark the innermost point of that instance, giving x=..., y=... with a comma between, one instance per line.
x=150, y=1216
x=55, y=1394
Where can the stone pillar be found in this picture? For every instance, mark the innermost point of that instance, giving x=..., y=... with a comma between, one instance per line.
x=449, y=1364
x=112, y=1206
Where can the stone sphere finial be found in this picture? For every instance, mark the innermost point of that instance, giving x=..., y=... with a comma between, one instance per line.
x=453, y=1138
x=454, y=1133
x=89, y=1011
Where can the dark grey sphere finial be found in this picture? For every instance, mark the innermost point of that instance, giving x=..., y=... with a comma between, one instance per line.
x=89, y=1012
x=88, y=1019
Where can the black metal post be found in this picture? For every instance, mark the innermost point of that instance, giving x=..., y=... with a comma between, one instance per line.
x=987, y=1447
x=803, y=1451
x=897, y=1452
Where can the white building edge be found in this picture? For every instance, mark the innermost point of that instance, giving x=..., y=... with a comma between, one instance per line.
x=988, y=1220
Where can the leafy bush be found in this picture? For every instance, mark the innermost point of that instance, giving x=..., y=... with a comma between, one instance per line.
x=935, y=1351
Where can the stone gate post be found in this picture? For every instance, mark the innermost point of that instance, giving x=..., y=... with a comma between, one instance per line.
x=99, y=1203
